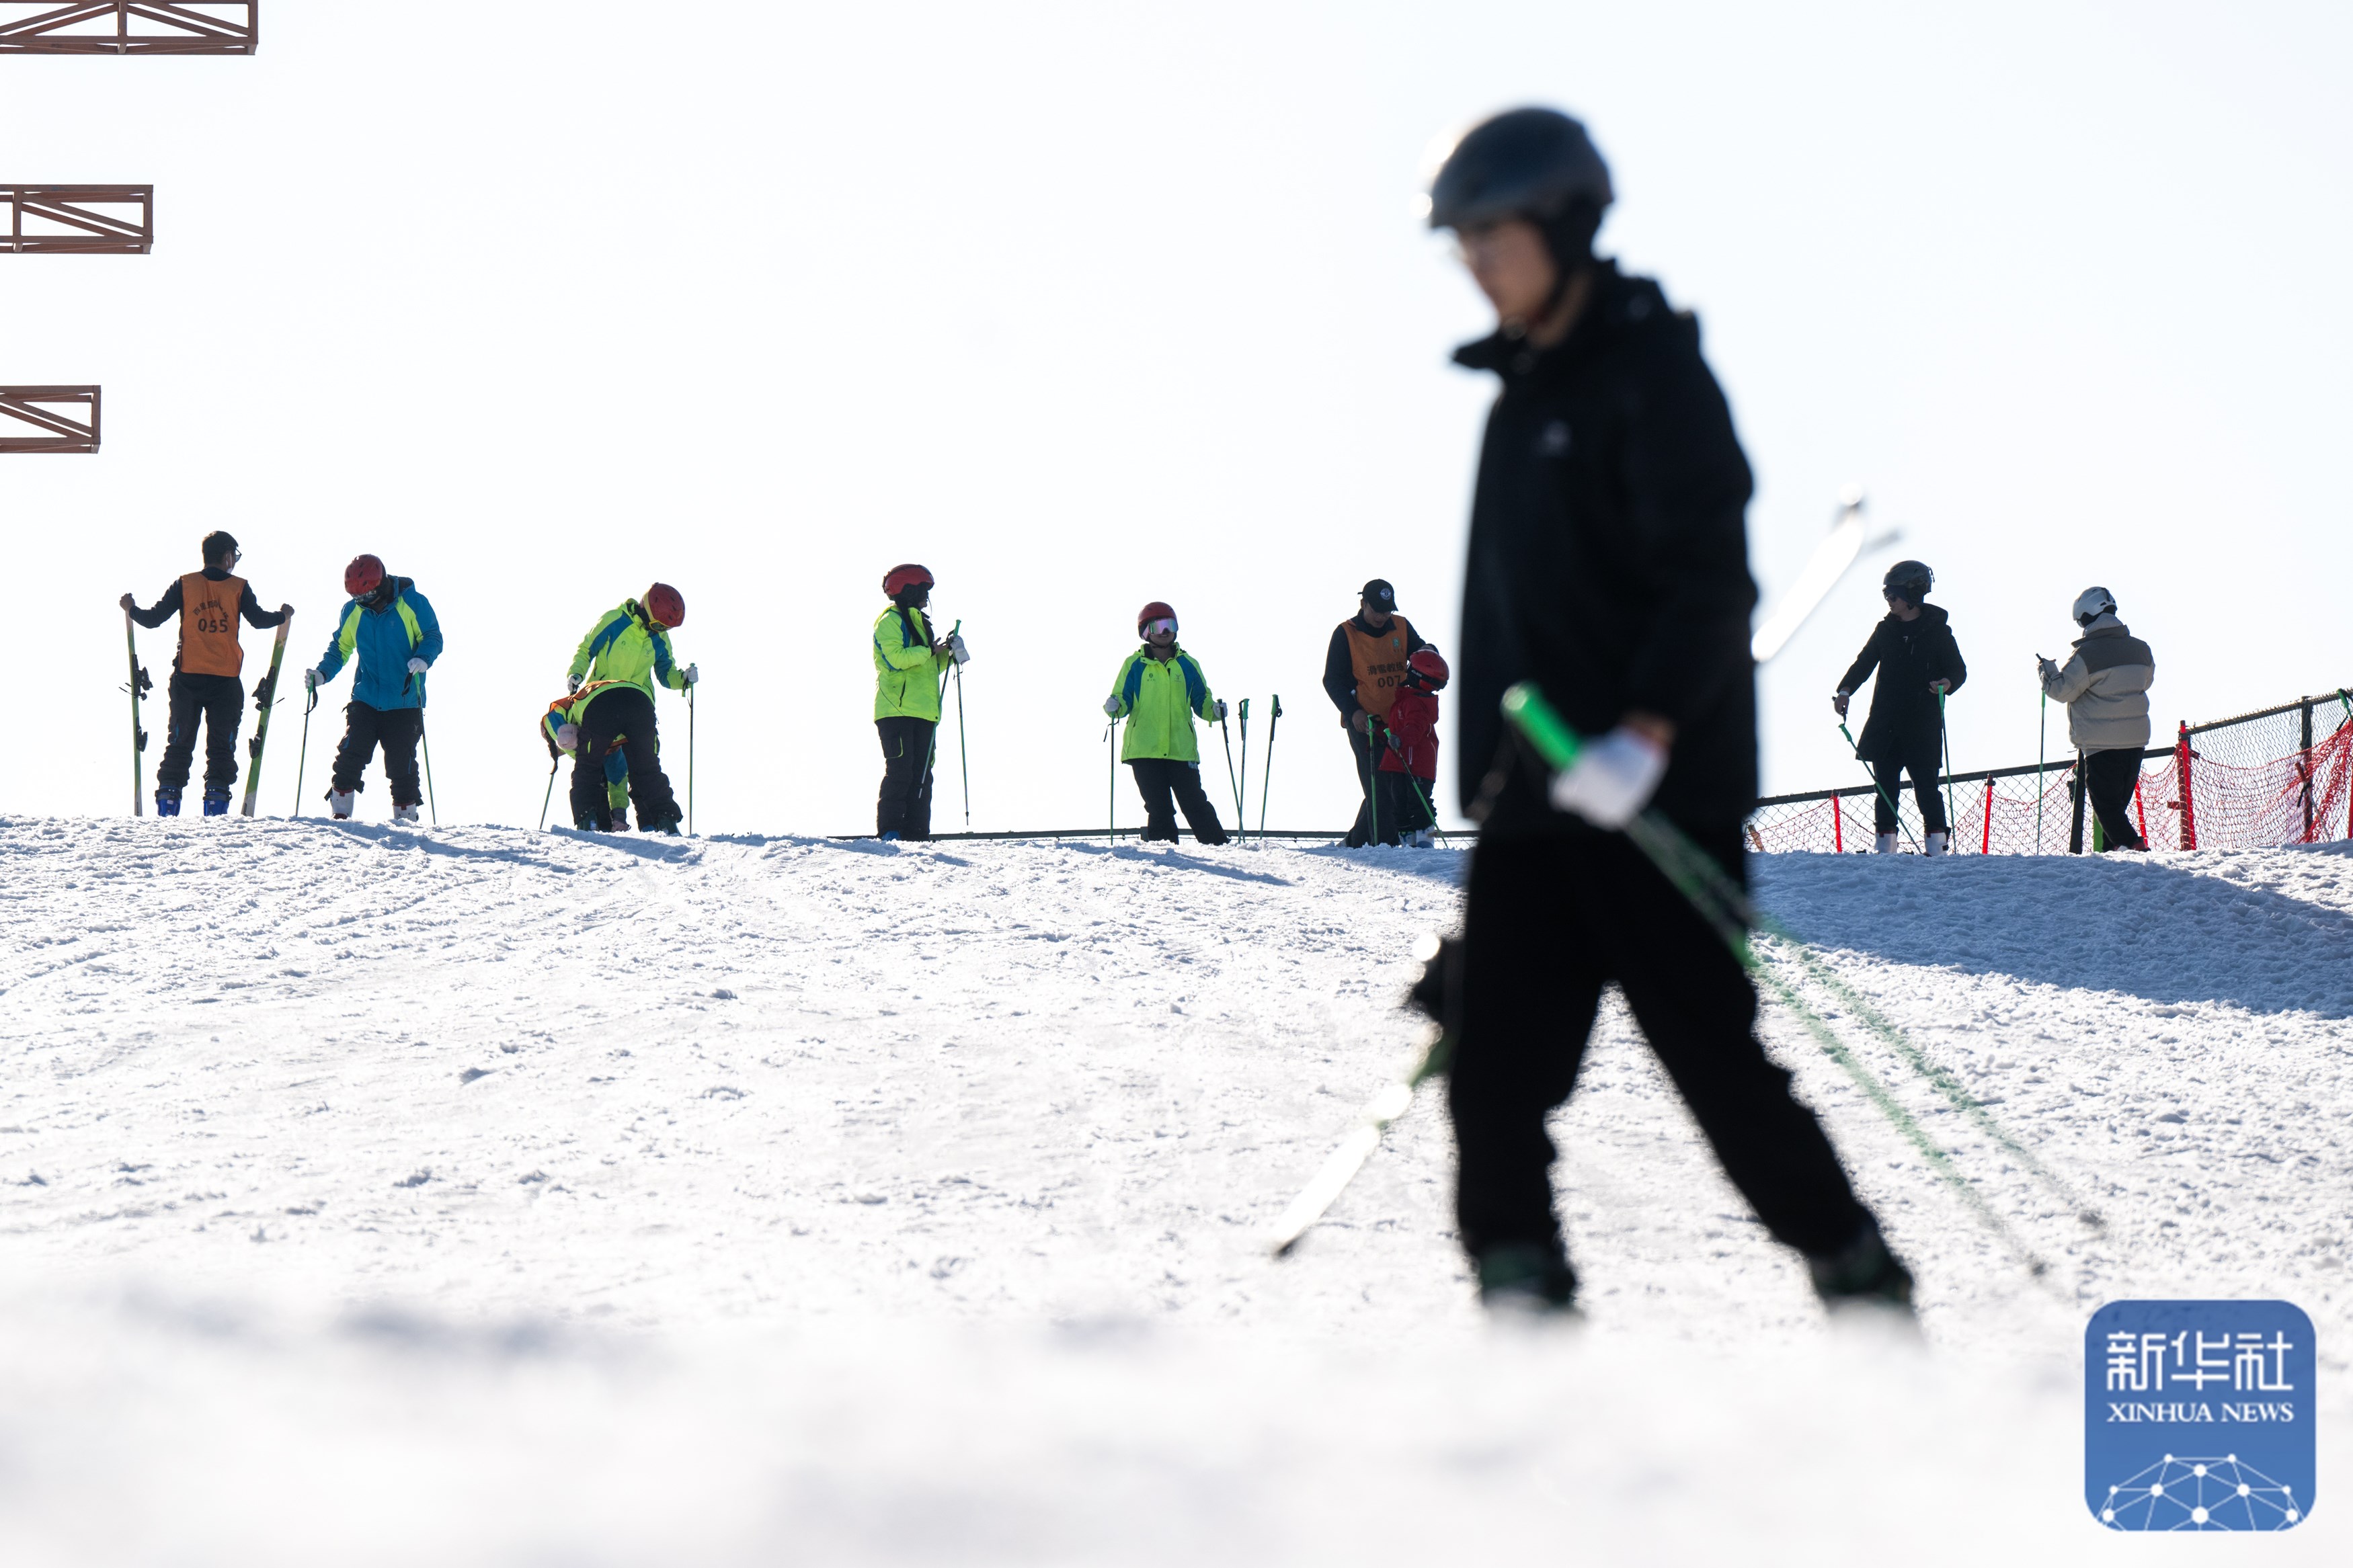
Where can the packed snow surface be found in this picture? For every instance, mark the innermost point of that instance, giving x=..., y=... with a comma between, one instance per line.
x=477, y=1196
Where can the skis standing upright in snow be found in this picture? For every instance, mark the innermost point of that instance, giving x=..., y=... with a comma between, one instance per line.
x=265, y=696
x=140, y=686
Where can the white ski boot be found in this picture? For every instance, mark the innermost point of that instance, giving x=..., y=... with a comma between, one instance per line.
x=341, y=805
x=1939, y=843
x=1886, y=845
x=1425, y=839
x=404, y=815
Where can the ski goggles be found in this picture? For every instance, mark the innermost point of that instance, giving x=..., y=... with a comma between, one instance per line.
x=1164, y=624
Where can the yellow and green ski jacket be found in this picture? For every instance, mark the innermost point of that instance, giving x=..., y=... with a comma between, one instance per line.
x=906, y=671
x=625, y=645
x=1158, y=698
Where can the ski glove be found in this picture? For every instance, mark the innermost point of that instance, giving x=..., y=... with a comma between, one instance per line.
x=1111, y=707
x=567, y=737
x=309, y=680
x=571, y=682
x=693, y=673
x=956, y=648
x=1221, y=709
x=1612, y=779
x=416, y=667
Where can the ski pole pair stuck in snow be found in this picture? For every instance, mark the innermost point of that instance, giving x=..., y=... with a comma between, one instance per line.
x=1727, y=910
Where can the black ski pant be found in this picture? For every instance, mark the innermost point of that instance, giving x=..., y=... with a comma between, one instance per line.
x=904, y=804
x=218, y=700
x=1169, y=785
x=2109, y=779
x=397, y=730
x=1402, y=810
x=1548, y=922
x=1923, y=757
x=1376, y=817
x=619, y=754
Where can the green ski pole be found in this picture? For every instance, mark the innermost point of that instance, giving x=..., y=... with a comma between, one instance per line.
x=1241, y=809
x=1110, y=782
x=1856, y=747
x=1266, y=770
x=1946, y=736
x=2041, y=749
x=303, y=757
x=1230, y=785
x=964, y=756
x=140, y=685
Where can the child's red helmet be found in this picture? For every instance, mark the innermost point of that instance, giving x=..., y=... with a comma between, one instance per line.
x=899, y=579
x=1432, y=668
x=1155, y=611
x=665, y=606
x=363, y=577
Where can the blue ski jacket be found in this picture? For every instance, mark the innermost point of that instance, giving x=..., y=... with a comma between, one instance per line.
x=384, y=639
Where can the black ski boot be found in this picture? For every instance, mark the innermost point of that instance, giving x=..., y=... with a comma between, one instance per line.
x=1863, y=1273
x=1524, y=1276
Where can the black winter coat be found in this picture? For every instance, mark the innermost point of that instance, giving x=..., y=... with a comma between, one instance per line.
x=1908, y=656
x=1608, y=560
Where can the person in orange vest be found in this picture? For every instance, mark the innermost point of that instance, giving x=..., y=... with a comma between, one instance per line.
x=1361, y=669
x=205, y=685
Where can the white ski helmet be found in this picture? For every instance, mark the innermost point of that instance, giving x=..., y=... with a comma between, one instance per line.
x=2092, y=604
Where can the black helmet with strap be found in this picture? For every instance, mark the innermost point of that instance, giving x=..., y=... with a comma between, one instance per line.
x=1910, y=578
x=1534, y=164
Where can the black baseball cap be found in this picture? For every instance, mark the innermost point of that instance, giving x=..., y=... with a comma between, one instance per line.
x=1378, y=592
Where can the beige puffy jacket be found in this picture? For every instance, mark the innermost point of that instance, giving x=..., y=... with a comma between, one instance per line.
x=2105, y=688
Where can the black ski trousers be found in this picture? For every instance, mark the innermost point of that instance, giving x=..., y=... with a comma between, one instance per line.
x=2109, y=779
x=219, y=702
x=397, y=730
x=1549, y=921
x=1923, y=757
x=620, y=744
x=1166, y=786
x=905, y=805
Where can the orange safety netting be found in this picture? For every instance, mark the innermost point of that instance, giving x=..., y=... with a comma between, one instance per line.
x=2281, y=776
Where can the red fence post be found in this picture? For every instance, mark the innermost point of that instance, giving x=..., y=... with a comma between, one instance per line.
x=1837, y=826
x=2181, y=755
x=1986, y=846
x=2140, y=812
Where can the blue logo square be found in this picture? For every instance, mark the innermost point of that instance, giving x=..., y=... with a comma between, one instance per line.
x=2198, y=1415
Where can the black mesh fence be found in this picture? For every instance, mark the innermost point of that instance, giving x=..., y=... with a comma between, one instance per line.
x=2281, y=775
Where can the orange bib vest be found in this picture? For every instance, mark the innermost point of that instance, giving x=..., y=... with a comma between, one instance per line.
x=208, y=644
x=1379, y=662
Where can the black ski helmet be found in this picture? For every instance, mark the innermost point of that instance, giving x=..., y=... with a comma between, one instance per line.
x=1537, y=165
x=1911, y=578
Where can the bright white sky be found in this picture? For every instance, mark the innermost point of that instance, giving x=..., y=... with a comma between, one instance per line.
x=1087, y=305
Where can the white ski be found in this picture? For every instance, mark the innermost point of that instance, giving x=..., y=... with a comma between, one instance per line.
x=1831, y=560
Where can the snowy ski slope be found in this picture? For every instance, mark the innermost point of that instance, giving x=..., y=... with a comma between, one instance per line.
x=477, y=1196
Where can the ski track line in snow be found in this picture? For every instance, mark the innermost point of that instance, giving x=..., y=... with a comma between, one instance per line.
x=662, y=1200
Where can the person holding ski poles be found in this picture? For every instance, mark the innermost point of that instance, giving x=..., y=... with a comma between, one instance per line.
x=1158, y=691
x=1408, y=766
x=1362, y=667
x=615, y=745
x=204, y=684
x=910, y=670
x=1919, y=666
x=1607, y=565
x=390, y=631
x=2105, y=688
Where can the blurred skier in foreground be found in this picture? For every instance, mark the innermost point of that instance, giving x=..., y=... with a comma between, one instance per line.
x=2105, y=688
x=1609, y=564
x=204, y=684
x=1919, y=666
x=392, y=633
x=1158, y=691
x=616, y=743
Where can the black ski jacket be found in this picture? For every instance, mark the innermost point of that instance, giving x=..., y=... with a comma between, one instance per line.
x=1608, y=560
x=1908, y=656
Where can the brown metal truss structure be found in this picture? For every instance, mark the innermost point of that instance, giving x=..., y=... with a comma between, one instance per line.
x=130, y=26
x=62, y=432
x=64, y=222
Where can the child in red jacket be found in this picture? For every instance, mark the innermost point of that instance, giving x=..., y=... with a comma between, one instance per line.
x=1409, y=761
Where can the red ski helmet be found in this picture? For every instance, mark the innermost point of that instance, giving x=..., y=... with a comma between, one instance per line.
x=1429, y=664
x=665, y=606
x=363, y=577
x=899, y=579
x=1155, y=611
